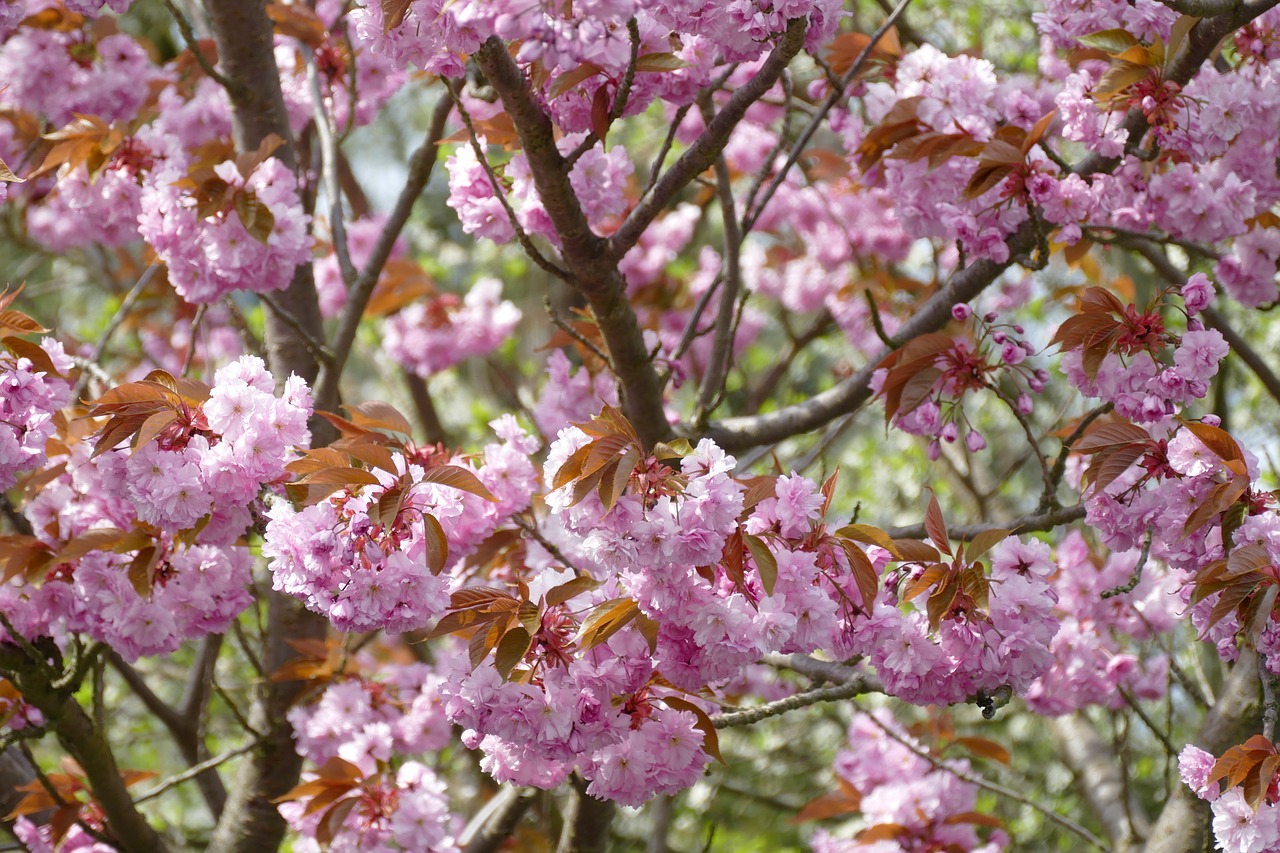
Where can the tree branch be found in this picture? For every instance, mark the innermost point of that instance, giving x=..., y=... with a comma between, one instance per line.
x=701, y=155
x=856, y=686
x=586, y=821
x=83, y=742
x=421, y=166
x=982, y=782
x=496, y=820
x=1183, y=824
x=250, y=822
x=1097, y=779
x=1029, y=523
x=593, y=268
x=833, y=97
x=738, y=433
x=712, y=390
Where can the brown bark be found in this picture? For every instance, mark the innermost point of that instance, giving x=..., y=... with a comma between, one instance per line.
x=84, y=742
x=593, y=271
x=250, y=822
x=586, y=821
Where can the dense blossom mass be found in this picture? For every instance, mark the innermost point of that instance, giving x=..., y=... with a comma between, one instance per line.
x=732, y=247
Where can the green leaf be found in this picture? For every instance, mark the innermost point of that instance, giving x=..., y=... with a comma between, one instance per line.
x=766, y=563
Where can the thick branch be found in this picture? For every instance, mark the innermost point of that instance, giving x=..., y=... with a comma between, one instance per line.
x=494, y=823
x=250, y=821
x=1215, y=320
x=742, y=432
x=593, y=268
x=739, y=433
x=1202, y=8
x=1098, y=780
x=586, y=821
x=856, y=686
x=1183, y=825
x=15, y=772
x=722, y=347
x=87, y=745
x=1030, y=523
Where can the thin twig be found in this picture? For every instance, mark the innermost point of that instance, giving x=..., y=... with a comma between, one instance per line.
x=318, y=350
x=995, y=788
x=658, y=161
x=877, y=323
x=1136, y=577
x=749, y=716
x=193, y=44
x=421, y=165
x=691, y=332
x=239, y=715
x=702, y=154
x=329, y=172
x=1060, y=464
x=751, y=217
x=117, y=319
x=569, y=330
x=195, y=332
x=195, y=770
x=717, y=369
x=1045, y=473
x=521, y=236
x=1132, y=702
x=532, y=529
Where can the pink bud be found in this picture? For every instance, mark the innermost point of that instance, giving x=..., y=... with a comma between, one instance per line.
x=974, y=441
x=950, y=432
x=961, y=311
x=1024, y=404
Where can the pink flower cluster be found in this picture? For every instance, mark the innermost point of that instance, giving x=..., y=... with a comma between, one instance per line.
x=248, y=435
x=598, y=715
x=193, y=590
x=375, y=724
x=571, y=396
x=1095, y=652
x=355, y=80
x=710, y=627
x=927, y=804
x=370, y=574
x=362, y=236
x=83, y=211
x=207, y=472
x=1145, y=390
x=437, y=36
x=1237, y=827
x=975, y=652
x=599, y=179
x=215, y=255
x=29, y=398
x=429, y=336
x=61, y=74
x=966, y=367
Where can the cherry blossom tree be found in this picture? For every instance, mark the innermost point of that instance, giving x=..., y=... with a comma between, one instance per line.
x=644, y=288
